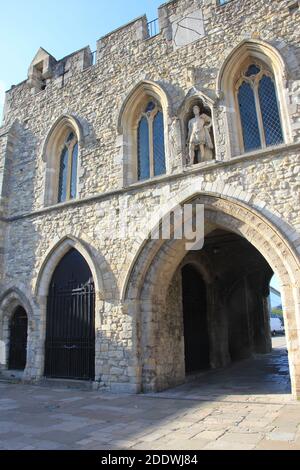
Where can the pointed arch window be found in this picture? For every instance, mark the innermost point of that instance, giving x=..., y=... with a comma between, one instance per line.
x=68, y=163
x=258, y=108
x=151, y=159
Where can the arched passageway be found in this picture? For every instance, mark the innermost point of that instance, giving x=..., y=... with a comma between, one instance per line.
x=70, y=324
x=18, y=340
x=242, y=250
x=226, y=318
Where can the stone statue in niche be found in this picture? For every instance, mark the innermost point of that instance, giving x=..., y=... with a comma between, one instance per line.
x=199, y=141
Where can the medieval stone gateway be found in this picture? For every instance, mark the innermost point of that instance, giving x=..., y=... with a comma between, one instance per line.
x=92, y=158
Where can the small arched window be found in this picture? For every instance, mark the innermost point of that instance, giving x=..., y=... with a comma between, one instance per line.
x=151, y=143
x=258, y=108
x=68, y=162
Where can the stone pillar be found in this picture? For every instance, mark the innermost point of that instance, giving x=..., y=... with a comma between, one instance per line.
x=258, y=307
x=170, y=348
x=116, y=364
x=217, y=327
x=291, y=309
x=39, y=339
x=262, y=338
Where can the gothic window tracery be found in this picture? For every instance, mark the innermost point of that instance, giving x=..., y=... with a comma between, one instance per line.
x=150, y=142
x=68, y=162
x=258, y=108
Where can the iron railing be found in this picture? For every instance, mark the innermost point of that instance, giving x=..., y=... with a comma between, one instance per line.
x=153, y=28
x=70, y=334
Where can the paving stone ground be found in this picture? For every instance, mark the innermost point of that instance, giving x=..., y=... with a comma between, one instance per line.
x=247, y=406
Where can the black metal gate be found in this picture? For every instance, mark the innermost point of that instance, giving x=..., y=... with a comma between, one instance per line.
x=70, y=336
x=18, y=340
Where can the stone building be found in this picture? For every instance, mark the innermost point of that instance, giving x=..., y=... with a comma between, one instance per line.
x=93, y=150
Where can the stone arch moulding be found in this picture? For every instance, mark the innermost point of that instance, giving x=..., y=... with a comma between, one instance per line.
x=202, y=266
x=152, y=88
x=158, y=260
x=51, y=151
x=12, y=298
x=189, y=99
x=191, y=192
x=66, y=120
x=127, y=121
x=267, y=54
x=56, y=253
x=267, y=230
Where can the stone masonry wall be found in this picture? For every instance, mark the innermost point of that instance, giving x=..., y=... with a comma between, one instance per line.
x=171, y=368
x=96, y=93
x=267, y=180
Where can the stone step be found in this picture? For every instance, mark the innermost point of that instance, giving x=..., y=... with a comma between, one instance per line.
x=67, y=383
x=11, y=375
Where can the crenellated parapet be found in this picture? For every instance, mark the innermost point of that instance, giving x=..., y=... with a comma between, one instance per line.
x=178, y=24
x=45, y=68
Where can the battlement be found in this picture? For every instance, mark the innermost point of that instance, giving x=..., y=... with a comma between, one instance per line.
x=179, y=23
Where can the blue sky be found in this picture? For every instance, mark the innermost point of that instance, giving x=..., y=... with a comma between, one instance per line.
x=59, y=26
x=275, y=283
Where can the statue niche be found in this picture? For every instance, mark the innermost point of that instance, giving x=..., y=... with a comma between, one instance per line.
x=200, y=138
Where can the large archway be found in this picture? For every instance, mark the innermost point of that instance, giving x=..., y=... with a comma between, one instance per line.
x=70, y=324
x=226, y=318
x=151, y=280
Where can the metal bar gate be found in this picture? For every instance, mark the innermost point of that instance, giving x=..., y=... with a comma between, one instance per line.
x=70, y=335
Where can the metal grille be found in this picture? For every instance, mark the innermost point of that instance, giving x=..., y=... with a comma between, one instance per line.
x=18, y=340
x=159, y=145
x=248, y=115
x=63, y=170
x=143, y=150
x=70, y=340
x=93, y=57
x=270, y=111
x=153, y=28
x=70, y=332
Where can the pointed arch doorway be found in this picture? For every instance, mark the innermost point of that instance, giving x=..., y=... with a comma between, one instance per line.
x=70, y=324
x=18, y=340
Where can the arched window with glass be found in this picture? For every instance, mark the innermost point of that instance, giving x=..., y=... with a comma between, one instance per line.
x=68, y=163
x=258, y=107
x=151, y=159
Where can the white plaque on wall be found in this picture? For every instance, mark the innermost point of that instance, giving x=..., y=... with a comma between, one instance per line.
x=188, y=29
